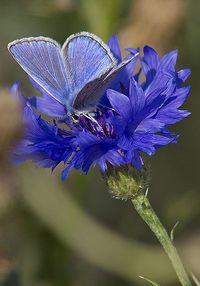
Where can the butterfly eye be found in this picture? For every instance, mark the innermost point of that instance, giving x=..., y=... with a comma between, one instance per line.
x=75, y=117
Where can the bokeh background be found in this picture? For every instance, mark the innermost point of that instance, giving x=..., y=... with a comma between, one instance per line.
x=74, y=233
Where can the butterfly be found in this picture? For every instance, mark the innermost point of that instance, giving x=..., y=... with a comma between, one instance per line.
x=76, y=74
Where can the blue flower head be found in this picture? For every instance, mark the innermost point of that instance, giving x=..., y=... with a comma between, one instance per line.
x=133, y=117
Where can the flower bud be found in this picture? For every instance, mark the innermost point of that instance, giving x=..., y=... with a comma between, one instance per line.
x=126, y=182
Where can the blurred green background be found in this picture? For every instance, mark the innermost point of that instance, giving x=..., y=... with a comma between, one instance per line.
x=74, y=233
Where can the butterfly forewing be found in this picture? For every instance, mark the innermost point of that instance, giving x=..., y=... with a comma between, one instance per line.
x=87, y=58
x=119, y=67
x=42, y=60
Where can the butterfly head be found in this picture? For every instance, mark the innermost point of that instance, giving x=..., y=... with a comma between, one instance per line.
x=75, y=117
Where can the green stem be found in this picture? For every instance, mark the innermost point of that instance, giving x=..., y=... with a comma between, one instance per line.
x=144, y=209
x=127, y=183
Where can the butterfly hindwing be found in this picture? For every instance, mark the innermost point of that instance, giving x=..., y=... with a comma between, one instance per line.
x=88, y=97
x=42, y=60
x=91, y=92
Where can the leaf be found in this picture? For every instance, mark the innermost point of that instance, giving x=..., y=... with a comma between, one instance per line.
x=150, y=281
x=172, y=231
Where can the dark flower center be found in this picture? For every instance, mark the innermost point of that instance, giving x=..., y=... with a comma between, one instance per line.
x=97, y=124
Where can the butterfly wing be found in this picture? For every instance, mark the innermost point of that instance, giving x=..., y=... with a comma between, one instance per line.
x=87, y=58
x=42, y=60
x=91, y=92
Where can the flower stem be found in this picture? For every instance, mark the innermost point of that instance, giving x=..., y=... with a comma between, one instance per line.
x=144, y=209
x=126, y=183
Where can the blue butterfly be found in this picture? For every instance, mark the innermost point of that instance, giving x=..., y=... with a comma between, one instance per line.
x=76, y=74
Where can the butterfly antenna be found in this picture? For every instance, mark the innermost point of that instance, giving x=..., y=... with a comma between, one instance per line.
x=91, y=118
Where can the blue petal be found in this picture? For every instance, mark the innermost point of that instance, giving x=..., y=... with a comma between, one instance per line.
x=150, y=125
x=48, y=105
x=178, y=98
x=15, y=88
x=161, y=81
x=94, y=151
x=136, y=160
x=148, y=143
x=18, y=94
x=42, y=143
x=184, y=74
x=149, y=64
x=171, y=116
x=136, y=96
x=150, y=60
x=113, y=44
x=168, y=62
x=118, y=124
x=120, y=103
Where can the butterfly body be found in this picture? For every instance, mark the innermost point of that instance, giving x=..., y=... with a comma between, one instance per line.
x=76, y=74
